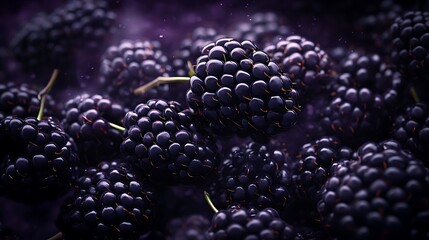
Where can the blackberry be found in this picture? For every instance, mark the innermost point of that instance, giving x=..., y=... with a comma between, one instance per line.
x=130, y=65
x=410, y=43
x=109, y=203
x=38, y=160
x=411, y=129
x=305, y=63
x=381, y=195
x=190, y=49
x=162, y=141
x=22, y=101
x=262, y=29
x=311, y=167
x=365, y=97
x=239, y=90
x=49, y=40
x=87, y=119
x=242, y=223
x=248, y=176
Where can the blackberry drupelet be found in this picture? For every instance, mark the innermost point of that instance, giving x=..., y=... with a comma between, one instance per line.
x=241, y=223
x=162, y=141
x=38, y=160
x=262, y=29
x=190, y=49
x=411, y=129
x=410, y=43
x=22, y=101
x=239, y=90
x=248, y=176
x=131, y=64
x=87, y=119
x=109, y=203
x=305, y=63
x=365, y=97
x=381, y=195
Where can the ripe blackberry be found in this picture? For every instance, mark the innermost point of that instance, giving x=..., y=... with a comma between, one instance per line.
x=241, y=223
x=239, y=90
x=22, y=101
x=305, y=63
x=248, y=176
x=38, y=160
x=49, y=40
x=190, y=49
x=109, y=203
x=262, y=28
x=410, y=43
x=131, y=64
x=87, y=119
x=411, y=129
x=311, y=167
x=382, y=195
x=162, y=142
x=364, y=99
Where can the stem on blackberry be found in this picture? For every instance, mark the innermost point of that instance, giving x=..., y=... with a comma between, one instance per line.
x=414, y=94
x=57, y=236
x=191, y=69
x=209, y=201
x=158, y=81
x=42, y=94
x=117, y=127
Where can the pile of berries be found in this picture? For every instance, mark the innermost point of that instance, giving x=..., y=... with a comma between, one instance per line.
x=225, y=129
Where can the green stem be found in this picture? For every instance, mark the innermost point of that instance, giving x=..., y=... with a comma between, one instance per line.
x=158, y=81
x=421, y=5
x=209, y=201
x=57, y=236
x=191, y=69
x=414, y=94
x=117, y=127
x=42, y=94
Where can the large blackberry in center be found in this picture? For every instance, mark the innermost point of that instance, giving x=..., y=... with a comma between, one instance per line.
x=239, y=90
x=162, y=142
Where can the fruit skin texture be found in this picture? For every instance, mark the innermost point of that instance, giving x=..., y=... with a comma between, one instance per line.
x=87, y=118
x=382, y=194
x=38, y=159
x=237, y=89
x=163, y=143
x=410, y=43
x=411, y=129
x=109, y=203
x=241, y=223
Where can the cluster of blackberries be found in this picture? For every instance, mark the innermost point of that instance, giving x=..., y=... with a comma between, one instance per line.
x=269, y=137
